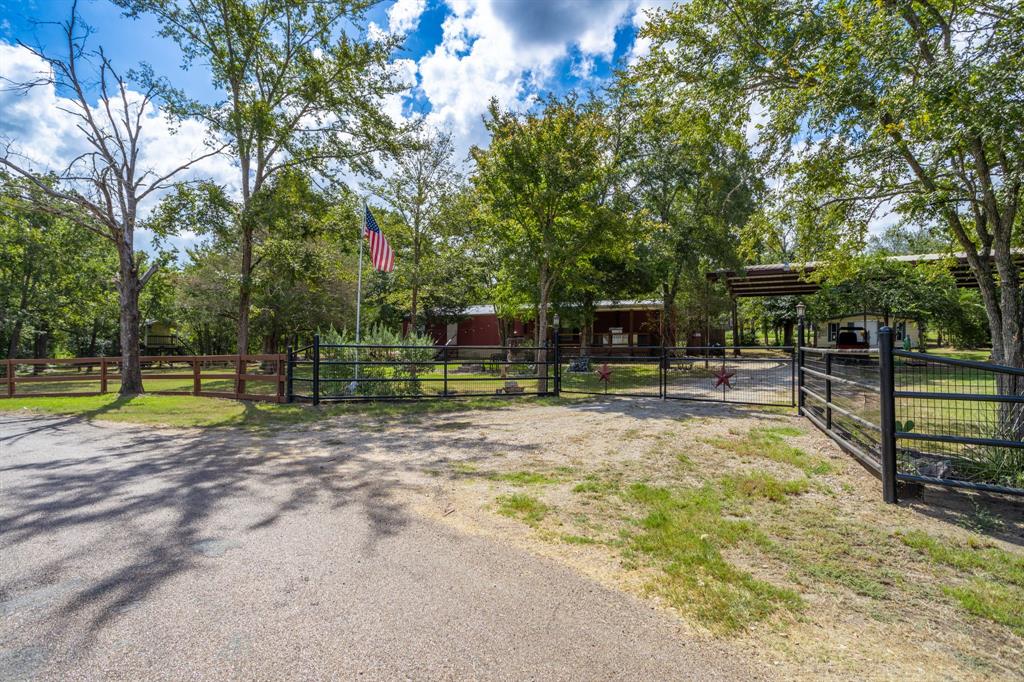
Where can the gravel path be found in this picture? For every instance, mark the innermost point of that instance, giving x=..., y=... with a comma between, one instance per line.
x=130, y=552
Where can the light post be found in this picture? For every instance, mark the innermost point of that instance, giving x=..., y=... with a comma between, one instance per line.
x=556, y=324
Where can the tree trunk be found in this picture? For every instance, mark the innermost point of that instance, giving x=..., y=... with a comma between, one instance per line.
x=15, y=342
x=245, y=288
x=128, y=296
x=787, y=333
x=39, y=346
x=540, y=354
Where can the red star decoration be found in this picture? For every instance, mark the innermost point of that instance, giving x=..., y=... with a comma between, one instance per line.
x=722, y=377
x=604, y=373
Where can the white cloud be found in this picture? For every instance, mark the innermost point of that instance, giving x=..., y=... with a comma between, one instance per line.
x=404, y=15
x=644, y=12
x=38, y=126
x=511, y=51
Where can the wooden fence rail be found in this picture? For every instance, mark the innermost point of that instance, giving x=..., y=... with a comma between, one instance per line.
x=190, y=370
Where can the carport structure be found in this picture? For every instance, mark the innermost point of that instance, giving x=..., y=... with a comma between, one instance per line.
x=797, y=279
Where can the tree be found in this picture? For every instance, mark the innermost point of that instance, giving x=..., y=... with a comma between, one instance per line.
x=301, y=92
x=424, y=178
x=544, y=180
x=870, y=105
x=101, y=189
x=55, y=278
x=304, y=279
x=694, y=185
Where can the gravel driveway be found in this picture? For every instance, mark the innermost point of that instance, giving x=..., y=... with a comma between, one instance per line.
x=130, y=552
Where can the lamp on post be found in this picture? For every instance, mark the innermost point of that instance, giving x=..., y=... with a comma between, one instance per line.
x=801, y=309
x=557, y=359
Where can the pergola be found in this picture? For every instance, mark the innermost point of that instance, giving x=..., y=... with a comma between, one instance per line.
x=786, y=279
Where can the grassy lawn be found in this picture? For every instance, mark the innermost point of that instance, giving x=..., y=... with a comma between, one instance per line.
x=191, y=411
x=747, y=532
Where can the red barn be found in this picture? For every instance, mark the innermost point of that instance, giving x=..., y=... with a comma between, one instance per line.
x=627, y=327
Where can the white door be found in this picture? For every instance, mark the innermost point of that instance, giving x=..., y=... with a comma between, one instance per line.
x=872, y=329
x=453, y=332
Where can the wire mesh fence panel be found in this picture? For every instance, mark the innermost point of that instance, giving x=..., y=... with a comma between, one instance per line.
x=841, y=395
x=372, y=372
x=959, y=420
x=752, y=375
x=634, y=373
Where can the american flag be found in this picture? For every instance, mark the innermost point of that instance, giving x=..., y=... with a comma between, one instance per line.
x=381, y=255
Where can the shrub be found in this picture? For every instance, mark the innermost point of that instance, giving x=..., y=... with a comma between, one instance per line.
x=382, y=354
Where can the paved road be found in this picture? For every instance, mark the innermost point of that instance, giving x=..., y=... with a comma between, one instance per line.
x=136, y=553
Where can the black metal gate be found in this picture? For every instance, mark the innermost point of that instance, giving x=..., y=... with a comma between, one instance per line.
x=337, y=372
x=731, y=374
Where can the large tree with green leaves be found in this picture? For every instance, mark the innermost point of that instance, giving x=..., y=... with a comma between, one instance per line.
x=423, y=180
x=872, y=105
x=55, y=278
x=302, y=89
x=694, y=186
x=544, y=179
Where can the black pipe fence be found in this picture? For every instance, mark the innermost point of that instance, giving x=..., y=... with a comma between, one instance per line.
x=919, y=418
x=757, y=375
x=338, y=372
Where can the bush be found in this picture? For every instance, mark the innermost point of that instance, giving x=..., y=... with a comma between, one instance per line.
x=406, y=358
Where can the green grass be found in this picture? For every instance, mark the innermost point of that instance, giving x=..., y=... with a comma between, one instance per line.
x=977, y=558
x=998, y=603
x=577, y=539
x=770, y=442
x=685, y=531
x=760, y=485
x=524, y=507
x=995, y=586
x=596, y=485
x=523, y=478
x=193, y=411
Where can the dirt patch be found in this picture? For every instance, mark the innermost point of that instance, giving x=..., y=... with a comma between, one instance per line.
x=752, y=526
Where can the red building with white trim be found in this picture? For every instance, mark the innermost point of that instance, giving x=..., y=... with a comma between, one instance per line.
x=626, y=327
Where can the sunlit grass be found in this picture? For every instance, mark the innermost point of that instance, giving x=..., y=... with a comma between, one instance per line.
x=194, y=411
x=524, y=507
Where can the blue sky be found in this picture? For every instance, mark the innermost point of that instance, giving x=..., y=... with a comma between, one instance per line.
x=457, y=55
x=546, y=46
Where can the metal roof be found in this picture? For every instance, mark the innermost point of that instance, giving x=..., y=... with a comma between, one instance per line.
x=475, y=310
x=785, y=279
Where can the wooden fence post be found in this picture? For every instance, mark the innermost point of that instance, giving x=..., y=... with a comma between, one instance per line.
x=103, y=375
x=10, y=378
x=197, y=381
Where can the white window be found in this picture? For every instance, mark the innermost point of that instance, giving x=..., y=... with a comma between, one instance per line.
x=833, y=331
x=901, y=330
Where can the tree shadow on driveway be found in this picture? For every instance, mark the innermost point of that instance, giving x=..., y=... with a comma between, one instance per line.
x=118, y=511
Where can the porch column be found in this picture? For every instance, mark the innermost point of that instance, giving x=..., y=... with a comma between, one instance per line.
x=629, y=331
x=735, y=328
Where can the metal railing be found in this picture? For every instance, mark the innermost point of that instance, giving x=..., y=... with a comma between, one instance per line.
x=758, y=375
x=918, y=418
x=339, y=372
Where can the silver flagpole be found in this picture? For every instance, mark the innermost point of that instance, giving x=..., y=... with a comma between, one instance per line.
x=359, y=277
x=359, y=298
